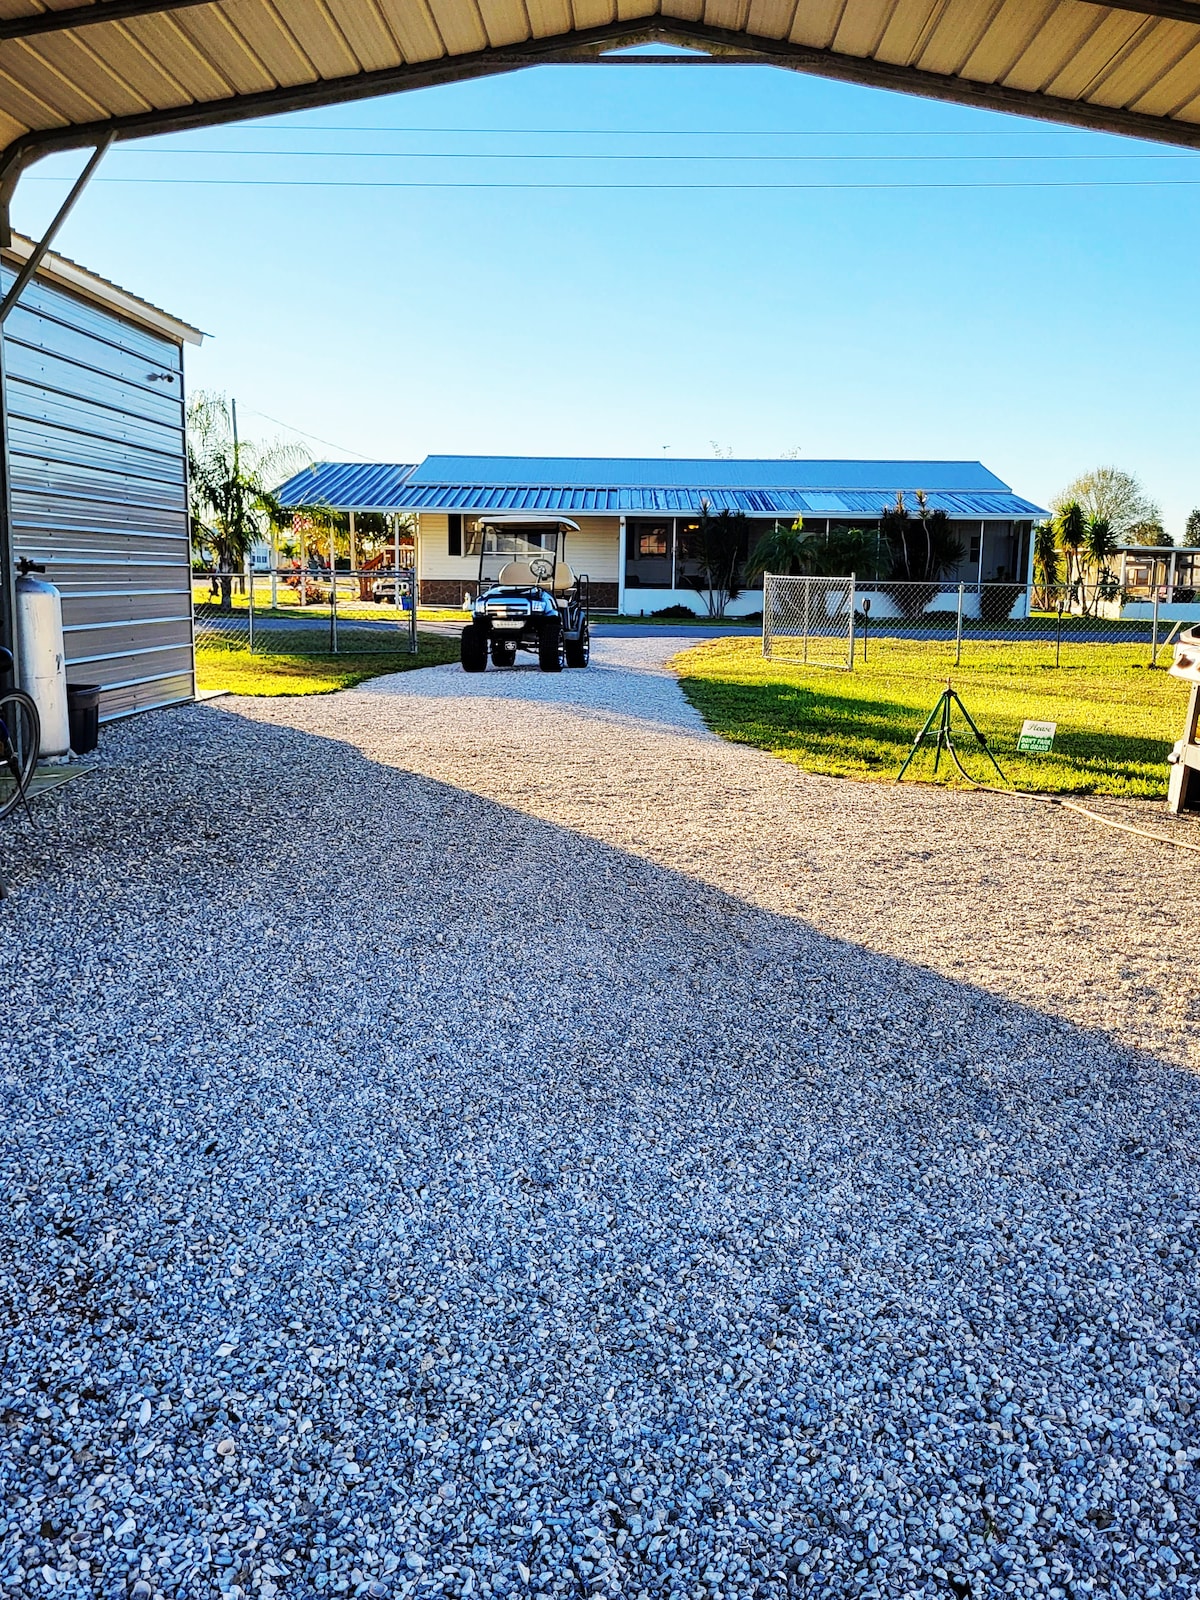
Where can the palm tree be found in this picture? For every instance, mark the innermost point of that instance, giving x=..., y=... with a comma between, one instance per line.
x=229, y=486
x=780, y=551
x=1046, y=569
x=1100, y=546
x=1071, y=528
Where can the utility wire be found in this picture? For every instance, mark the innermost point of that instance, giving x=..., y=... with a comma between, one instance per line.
x=362, y=183
x=601, y=155
x=315, y=438
x=708, y=133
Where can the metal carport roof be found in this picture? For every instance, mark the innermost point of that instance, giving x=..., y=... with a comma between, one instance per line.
x=74, y=74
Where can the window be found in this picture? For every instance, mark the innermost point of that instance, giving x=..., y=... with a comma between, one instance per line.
x=454, y=522
x=973, y=553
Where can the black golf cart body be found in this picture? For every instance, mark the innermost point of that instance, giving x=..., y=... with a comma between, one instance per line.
x=529, y=598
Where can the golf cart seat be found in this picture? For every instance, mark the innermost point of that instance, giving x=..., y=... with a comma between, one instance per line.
x=517, y=575
x=564, y=578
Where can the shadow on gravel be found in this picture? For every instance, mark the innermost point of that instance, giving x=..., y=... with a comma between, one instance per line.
x=399, y=1190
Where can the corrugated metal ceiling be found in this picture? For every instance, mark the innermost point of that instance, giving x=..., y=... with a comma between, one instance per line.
x=149, y=65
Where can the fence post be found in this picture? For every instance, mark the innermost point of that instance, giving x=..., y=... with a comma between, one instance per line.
x=412, y=613
x=807, y=597
x=333, y=642
x=852, y=589
x=250, y=592
x=1154, y=631
x=767, y=619
x=958, y=629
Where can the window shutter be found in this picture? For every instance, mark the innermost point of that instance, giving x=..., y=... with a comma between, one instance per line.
x=455, y=523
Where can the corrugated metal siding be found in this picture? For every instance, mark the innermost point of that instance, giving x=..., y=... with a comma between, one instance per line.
x=99, y=491
x=641, y=500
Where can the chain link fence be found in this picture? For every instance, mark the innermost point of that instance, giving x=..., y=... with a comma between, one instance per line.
x=312, y=612
x=809, y=620
x=834, y=621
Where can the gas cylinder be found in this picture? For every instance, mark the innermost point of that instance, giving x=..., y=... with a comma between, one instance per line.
x=41, y=665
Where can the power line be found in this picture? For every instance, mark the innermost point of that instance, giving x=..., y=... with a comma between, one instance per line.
x=713, y=133
x=364, y=183
x=314, y=437
x=594, y=155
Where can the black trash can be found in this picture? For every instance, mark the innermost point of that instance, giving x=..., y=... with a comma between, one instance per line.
x=83, y=715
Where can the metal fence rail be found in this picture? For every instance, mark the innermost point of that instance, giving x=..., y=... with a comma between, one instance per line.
x=311, y=612
x=802, y=616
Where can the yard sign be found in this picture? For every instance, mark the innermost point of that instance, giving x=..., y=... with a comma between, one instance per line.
x=1037, y=737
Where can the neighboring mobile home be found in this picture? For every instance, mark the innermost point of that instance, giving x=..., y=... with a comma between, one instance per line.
x=98, y=475
x=634, y=514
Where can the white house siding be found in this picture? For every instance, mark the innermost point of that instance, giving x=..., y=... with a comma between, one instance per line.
x=445, y=578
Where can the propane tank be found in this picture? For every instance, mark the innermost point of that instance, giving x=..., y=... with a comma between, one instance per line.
x=41, y=665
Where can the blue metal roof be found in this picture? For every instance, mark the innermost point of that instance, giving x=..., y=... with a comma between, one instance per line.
x=346, y=486
x=650, y=502
x=589, y=472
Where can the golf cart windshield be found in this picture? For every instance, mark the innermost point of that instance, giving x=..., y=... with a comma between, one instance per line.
x=518, y=556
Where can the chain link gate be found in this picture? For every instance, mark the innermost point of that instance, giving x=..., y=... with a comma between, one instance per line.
x=810, y=620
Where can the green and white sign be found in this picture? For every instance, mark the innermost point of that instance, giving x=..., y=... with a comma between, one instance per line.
x=1037, y=737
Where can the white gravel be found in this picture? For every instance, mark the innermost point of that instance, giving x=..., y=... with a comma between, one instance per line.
x=479, y=1136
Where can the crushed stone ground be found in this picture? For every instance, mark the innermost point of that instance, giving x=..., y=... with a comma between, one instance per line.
x=486, y=1135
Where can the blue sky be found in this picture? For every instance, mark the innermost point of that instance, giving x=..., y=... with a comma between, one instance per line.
x=969, y=285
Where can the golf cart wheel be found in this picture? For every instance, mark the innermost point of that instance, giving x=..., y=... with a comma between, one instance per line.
x=579, y=651
x=473, y=652
x=504, y=653
x=551, y=655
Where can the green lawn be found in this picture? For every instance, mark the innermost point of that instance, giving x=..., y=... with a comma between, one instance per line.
x=1117, y=719
x=238, y=672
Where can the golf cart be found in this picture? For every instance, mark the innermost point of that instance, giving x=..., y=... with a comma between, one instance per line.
x=529, y=599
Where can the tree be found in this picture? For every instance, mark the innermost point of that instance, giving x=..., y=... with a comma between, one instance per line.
x=1046, y=565
x=1071, y=527
x=1148, y=533
x=715, y=545
x=230, y=500
x=782, y=550
x=1192, y=531
x=1116, y=496
x=923, y=549
x=1100, y=546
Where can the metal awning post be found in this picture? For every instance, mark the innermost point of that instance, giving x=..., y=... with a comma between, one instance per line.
x=8, y=594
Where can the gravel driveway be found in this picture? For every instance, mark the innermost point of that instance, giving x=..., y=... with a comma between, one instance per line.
x=474, y=1136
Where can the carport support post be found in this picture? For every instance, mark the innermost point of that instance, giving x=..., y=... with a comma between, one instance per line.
x=621, y=546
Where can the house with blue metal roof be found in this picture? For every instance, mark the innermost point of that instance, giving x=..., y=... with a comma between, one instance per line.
x=634, y=513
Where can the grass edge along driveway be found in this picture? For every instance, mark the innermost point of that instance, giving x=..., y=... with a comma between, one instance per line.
x=220, y=668
x=1117, y=719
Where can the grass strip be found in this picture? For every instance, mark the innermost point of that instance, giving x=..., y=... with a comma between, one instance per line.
x=1117, y=719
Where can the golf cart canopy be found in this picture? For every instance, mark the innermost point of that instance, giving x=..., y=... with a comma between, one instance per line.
x=511, y=519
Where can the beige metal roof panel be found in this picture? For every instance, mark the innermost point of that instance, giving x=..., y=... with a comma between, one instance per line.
x=1005, y=38
x=1177, y=86
x=458, y=24
x=502, y=22
x=412, y=28
x=1086, y=65
x=361, y=24
x=195, y=63
x=817, y=24
x=1146, y=63
x=771, y=19
x=862, y=26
